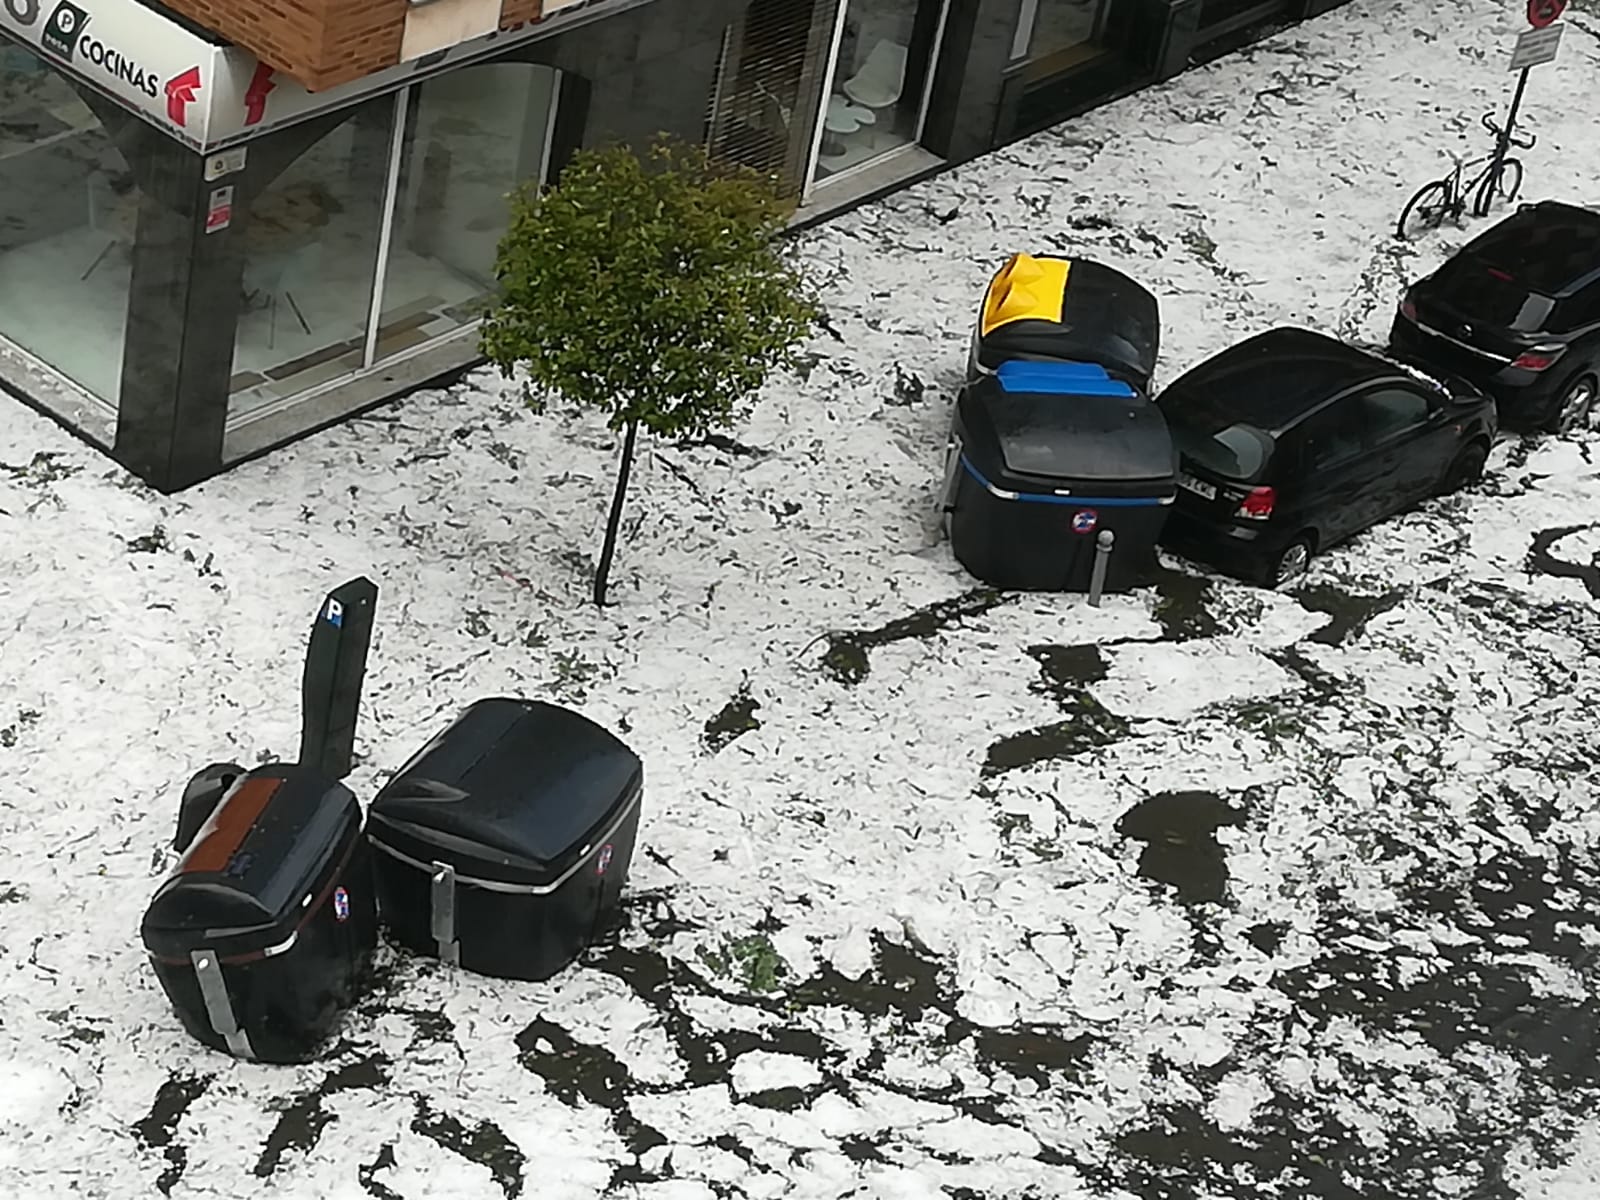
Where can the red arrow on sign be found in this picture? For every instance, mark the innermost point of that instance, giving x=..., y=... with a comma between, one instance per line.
x=180, y=95
x=1545, y=12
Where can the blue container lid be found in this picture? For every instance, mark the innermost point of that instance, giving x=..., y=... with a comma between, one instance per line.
x=1060, y=379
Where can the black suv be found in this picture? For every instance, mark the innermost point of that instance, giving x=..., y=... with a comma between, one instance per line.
x=1291, y=442
x=1517, y=311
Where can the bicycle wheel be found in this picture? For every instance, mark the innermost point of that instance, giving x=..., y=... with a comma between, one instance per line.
x=1506, y=188
x=1425, y=210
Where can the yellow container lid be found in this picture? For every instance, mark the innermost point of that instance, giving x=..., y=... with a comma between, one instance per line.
x=1025, y=289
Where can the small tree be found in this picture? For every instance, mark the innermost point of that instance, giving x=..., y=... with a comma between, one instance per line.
x=654, y=290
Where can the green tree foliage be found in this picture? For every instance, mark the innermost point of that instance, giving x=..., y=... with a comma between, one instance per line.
x=654, y=289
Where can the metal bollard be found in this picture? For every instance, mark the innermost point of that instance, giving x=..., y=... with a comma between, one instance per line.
x=1103, y=542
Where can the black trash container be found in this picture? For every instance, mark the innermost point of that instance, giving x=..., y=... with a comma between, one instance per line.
x=1042, y=459
x=1067, y=310
x=504, y=844
x=262, y=934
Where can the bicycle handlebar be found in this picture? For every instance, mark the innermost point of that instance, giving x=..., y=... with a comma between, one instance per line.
x=1526, y=142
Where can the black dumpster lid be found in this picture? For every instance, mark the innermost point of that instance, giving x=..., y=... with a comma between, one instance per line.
x=1065, y=421
x=1071, y=309
x=247, y=875
x=513, y=788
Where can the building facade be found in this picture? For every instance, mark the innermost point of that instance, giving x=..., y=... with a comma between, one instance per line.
x=220, y=231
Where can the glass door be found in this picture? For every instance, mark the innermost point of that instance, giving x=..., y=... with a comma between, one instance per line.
x=470, y=138
x=880, y=83
x=310, y=249
x=382, y=236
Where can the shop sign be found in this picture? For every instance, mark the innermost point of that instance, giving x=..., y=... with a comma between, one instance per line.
x=125, y=50
x=248, y=97
x=212, y=97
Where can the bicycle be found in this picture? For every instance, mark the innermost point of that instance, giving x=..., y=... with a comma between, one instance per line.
x=1447, y=197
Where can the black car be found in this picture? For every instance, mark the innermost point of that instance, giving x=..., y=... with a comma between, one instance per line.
x=1517, y=311
x=1291, y=442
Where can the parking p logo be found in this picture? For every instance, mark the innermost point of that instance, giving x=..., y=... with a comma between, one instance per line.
x=62, y=31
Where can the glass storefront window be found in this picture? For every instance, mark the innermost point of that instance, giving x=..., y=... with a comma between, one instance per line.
x=310, y=245
x=69, y=210
x=885, y=56
x=769, y=88
x=1064, y=34
x=472, y=137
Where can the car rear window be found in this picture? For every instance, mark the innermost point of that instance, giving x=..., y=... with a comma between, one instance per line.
x=1481, y=291
x=1237, y=452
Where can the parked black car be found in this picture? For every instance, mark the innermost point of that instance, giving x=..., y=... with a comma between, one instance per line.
x=1291, y=442
x=1517, y=311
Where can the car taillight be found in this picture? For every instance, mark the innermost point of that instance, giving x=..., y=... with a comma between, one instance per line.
x=1257, y=506
x=1408, y=309
x=1539, y=358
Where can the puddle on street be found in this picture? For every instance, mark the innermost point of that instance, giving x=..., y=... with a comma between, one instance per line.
x=301, y=1123
x=1182, y=607
x=902, y=982
x=1350, y=612
x=1064, y=673
x=1179, y=830
x=1033, y=1053
x=1066, y=670
x=158, y=1129
x=367, y=1174
x=1088, y=728
x=485, y=1144
x=736, y=718
x=848, y=656
x=1542, y=562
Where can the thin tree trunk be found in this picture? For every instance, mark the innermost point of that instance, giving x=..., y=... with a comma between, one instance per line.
x=602, y=573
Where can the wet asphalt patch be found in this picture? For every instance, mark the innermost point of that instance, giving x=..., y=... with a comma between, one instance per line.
x=847, y=658
x=1179, y=832
x=1542, y=562
x=158, y=1129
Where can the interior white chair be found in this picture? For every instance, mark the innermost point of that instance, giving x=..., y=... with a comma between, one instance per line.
x=882, y=77
x=274, y=276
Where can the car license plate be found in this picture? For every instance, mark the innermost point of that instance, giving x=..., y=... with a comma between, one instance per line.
x=1198, y=486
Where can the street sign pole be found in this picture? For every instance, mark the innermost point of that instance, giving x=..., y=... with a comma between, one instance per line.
x=1502, y=144
x=1535, y=47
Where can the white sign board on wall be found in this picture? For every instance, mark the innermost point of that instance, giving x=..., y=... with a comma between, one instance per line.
x=127, y=51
